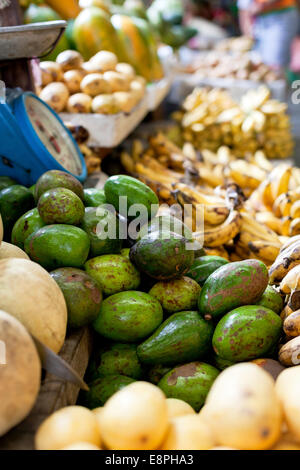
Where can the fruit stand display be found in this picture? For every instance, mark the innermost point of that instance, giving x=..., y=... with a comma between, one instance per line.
x=128, y=321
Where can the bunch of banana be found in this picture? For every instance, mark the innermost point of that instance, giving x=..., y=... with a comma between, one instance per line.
x=210, y=119
x=288, y=258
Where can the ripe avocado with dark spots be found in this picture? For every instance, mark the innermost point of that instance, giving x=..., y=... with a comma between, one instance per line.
x=60, y=206
x=120, y=359
x=177, y=295
x=113, y=273
x=57, y=246
x=246, y=333
x=166, y=223
x=190, y=383
x=14, y=202
x=100, y=390
x=184, y=336
x=162, y=255
x=271, y=299
x=204, y=266
x=233, y=285
x=96, y=222
x=128, y=316
x=81, y=293
x=27, y=224
x=58, y=179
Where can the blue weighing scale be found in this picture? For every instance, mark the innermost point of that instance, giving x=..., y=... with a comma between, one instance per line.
x=33, y=138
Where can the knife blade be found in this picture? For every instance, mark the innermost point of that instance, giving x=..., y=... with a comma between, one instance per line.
x=54, y=364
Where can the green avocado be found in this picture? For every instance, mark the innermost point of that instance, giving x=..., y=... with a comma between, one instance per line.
x=102, y=227
x=246, y=333
x=120, y=359
x=81, y=293
x=6, y=182
x=271, y=299
x=184, y=336
x=165, y=223
x=190, y=383
x=221, y=363
x=58, y=179
x=177, y=295
x=204, y=266
x=162, y=255
x=156, y=373
x=27, y=224
x=14, y=202
x=125, y=252
x=60, y=206
x=93, y=197
x=57, y=246
x=233, y=285
x=103, y=388
x=128, y=316
x=133, y=192
x=113, y=273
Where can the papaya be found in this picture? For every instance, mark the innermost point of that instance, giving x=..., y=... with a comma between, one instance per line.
x=60, y=206
x=102, y=228
x=139, y=44
x=190, y=382
x=14, y=201
x=27, y=224
x=184, y=336
x=57, y=246
x=271, y=299
x=103, y=388
x=58, y=179
x=113, y=273
x=135, y=192
x=204, y=266
x=177, y=295
x=162, y=255
x=93, y=32
x=128, y=316
x=81, y=293
x=94, y=197
x=120, y=359
x=246, y=333
x=233, y=285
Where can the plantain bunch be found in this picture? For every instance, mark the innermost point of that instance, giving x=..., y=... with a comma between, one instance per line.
x=210, y=119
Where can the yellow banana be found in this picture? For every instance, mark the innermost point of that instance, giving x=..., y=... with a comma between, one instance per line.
x=268, y=218
x=217, y=251
x=260, y=160
x=265, y=251
x=294, y=227
x=295, y=209
x=217, y=236
x=291, y=324
x=286, y=312
x=291, y=281
x=280, y=178
x=245, y=174
x=291, y=241
x=256, y=230
x=285, y=261
x=285, y=226
x=282, y=205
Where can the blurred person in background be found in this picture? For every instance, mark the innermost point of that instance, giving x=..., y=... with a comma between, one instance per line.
x=273, y=24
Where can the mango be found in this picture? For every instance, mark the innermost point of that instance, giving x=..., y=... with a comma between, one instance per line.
x=246, y=333
x=128, y=316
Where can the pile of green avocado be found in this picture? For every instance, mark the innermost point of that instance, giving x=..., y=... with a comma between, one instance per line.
x=160, y=311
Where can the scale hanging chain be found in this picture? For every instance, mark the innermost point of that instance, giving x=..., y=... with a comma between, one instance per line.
x=4, y=4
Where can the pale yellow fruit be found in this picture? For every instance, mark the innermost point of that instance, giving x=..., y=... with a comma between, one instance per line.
x=178, y=407
x=81, y=446
x=73, y=78
x=69, y=60
x=79, y=103
x=56, y=95
x=126, y=69
x=105, y=104
x=137, y=88
x=135, y=418
x=20, y=372
x=287, y=442
x=222, y=448
x=125, y=101
x=28, y=292
x=242, y=408
x=7, y=250
x=94, y=84
x=105, y=60
x=117, y=81
x=1, y=229
x=67, y=426
x=288, y=390
x=51, y=72
x=188, y=432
